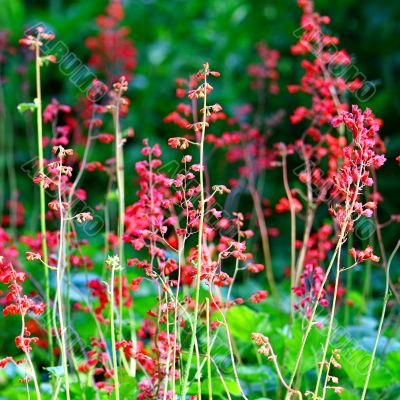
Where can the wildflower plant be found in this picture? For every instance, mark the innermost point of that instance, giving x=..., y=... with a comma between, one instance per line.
x=191, y=286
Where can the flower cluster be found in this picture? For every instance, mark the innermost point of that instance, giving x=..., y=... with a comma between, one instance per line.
x=16, y=303
x=354, y=174
x=35, y=41
x=97, y=364
x=112, y=51
x=310, y=285
x=362, y=255
x=61, y=121
x=324, y=86
x=178, y=255
x=266, y=69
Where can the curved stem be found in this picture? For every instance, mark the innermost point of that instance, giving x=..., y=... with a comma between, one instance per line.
x=310, y=215
x=208, y=349
x=26, y=349
x=380, y=238
x=60, y=271
x=38, y=102
x=314, y=310
x=349, y=211
x=119, y=166
x=349, y=282
x=199, y=246
x=264, y=237
x=112, y=324
x=307, y=231
x=230, y=345
x=381, y=320
x=292, y=232
x=328, y=337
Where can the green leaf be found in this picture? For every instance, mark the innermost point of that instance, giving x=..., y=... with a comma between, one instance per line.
x=128, y=390
x=346, y=395
x=217, y=386
x=355, y=363
x=23, y=107
x=243, y=321
x=87, y=392
x=358, y=301
x=392, y=363
x=57, y=371
x=255, y=373
x=312, y=348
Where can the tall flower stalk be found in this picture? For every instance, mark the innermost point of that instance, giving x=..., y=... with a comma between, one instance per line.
x=22, y=305
x=119, y=88
x=378, y=334
x=353, y=177
x=348, y=186
x=114, y=264
x=35, y=43
x=200, y=92
x=38, y=102
x=255, y=195
x=292, y=224
x=62, y=206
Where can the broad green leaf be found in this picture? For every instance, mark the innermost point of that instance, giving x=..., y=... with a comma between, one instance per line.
x=255, y=373
x=243, y=321
x=218, y=388
x=312, y=349
x=347, y=395
x=85, y=393
x=392, y=363
x=355, y=363
x=128, y=390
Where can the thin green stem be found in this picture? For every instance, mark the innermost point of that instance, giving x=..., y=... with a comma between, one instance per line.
x=264, y=238
x=368, y=240
x=208, y=349
x=292, y=232
x=38, y=102
x=119, y=166
x=310, y=215
x=213, y=341
x=112, y=324
x=314, y=310
x=184, y=387
x=328, y=336
x=107, y=222
x=385, y=301
x=263, y=385
x=60, y=272
x=349, y=282
x=326, y=378
x=349, y=211
x=168, y=361
x=26, y=351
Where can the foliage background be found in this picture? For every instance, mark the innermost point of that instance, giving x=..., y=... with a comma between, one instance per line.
x=174, y=37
